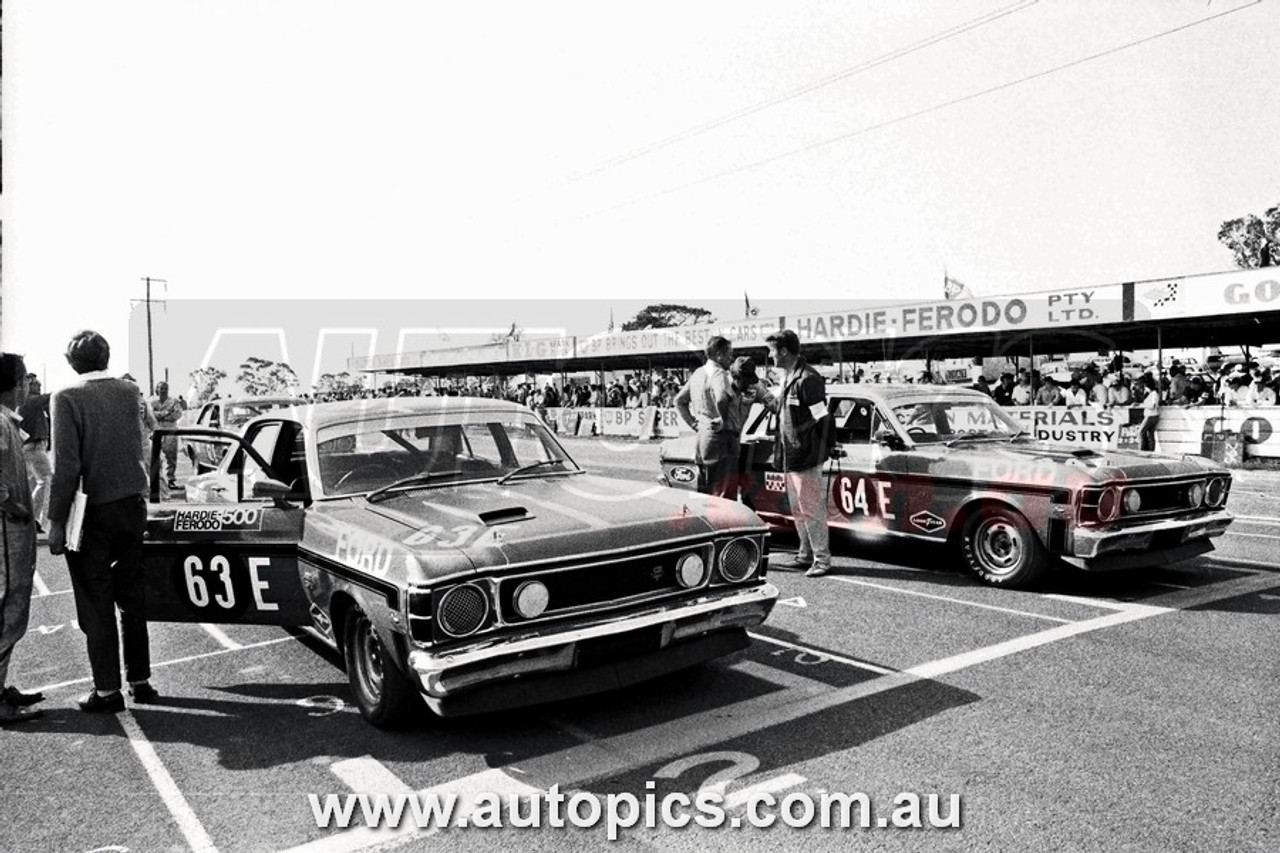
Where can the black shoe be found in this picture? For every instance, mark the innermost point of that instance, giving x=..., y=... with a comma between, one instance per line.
x=144, y=693
x=10, y=714
x=96, y=703
x=15, y=697
x=173, y=484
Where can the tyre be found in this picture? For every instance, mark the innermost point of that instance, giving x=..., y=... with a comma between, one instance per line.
x=385, y=697
x=999, y=546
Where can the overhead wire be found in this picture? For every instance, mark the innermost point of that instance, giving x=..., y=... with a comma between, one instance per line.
x=918, y=113
x=808, y=88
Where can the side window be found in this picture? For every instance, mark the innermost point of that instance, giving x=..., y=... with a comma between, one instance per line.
x=263, y=441
x=290, y=460
x=854, y=420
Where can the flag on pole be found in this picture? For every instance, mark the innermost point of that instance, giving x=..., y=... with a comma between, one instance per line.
x=953, y=288
x=750, y=312
x=611, y=321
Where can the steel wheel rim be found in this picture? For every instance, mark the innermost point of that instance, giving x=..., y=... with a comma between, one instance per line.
x=999, y=546
x=369, y=660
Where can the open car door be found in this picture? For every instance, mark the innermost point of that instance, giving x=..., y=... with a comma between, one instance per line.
x=234, y=561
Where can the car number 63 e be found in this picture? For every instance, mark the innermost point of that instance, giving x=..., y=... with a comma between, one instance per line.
x=212, y=585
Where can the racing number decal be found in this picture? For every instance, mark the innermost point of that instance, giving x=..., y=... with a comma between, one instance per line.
x=861, y=496
x=220, y=587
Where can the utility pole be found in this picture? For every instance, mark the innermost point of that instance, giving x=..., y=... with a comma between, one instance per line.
x=151, y=368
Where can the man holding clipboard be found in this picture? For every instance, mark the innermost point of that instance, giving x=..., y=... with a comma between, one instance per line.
x=97, y=444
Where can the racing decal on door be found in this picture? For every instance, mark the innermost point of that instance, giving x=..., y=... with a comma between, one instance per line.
x=928, y=522
x=862, y=497
x=226, y=585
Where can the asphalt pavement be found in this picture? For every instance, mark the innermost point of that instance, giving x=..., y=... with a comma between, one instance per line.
x=1132, y=711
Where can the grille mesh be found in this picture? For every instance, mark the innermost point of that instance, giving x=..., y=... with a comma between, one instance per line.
x=739, y=559
x=462, y=610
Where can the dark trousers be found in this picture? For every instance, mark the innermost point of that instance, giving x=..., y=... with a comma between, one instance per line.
x=106, y=573
x=717, y=455
x=1147, y=433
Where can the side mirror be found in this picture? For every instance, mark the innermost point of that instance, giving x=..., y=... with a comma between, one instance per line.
x=273, y=489
x=889, y=439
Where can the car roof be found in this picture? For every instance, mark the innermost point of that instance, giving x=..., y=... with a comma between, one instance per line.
x=896, y=395
x=318, y=415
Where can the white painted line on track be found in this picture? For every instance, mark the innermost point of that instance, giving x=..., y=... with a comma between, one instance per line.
x=187, y=659
x=1258, y=518
x=1131, y=613
x=870, y=667
x=1168, y=585
x=1104, y=603
x=1219, y=562
x=950, y=599
x=778, y=677
x=1251, y=535
x=221, y=636
x=367, y=775
x=41, y=588
x=52, y=594
x=192, y=830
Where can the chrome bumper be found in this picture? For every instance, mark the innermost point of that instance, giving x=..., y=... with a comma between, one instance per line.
x=1091, y=545
x=444, y=674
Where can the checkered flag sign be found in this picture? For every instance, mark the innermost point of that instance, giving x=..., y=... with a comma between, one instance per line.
x=1163, y=299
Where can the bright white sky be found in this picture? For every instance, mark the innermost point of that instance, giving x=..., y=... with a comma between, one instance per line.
x=309, y=149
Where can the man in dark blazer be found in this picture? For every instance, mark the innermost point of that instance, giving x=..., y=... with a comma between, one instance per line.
x=97, y=445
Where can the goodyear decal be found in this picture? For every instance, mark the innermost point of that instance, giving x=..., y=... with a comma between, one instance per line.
x=928, y=522
x=217, y=520
x=363, y=551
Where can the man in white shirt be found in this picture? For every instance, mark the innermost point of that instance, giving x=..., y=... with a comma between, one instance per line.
x=703, y=403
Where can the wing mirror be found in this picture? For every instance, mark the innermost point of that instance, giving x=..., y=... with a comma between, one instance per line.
x=889, y=439
x=273, y=489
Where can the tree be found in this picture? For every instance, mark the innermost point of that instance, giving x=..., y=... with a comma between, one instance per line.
x=665, y=316
x=1254, y=242
x=341, y=386
x=260, y=376
x=206, y=381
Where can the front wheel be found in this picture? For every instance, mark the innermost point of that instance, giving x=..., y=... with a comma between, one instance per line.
x=383, y=694
x=1000, y=547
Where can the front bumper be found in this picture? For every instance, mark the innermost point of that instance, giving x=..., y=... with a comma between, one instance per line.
x=1155, y=543
x=645, y=645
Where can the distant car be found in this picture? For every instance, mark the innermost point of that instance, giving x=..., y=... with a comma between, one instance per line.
x=451, y=549
x=231, y=415
x=948, y=465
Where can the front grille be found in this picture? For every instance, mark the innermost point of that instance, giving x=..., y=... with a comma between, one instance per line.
x=1160, y=499
x=604, y=583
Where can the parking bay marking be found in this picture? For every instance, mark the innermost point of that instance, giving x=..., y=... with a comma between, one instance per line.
x=952, y=600
x=192, y=830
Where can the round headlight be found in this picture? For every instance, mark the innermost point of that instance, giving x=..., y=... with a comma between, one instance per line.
x=1109, y=504
x=690, y=570
x=739, y=560
x=1195, y=495
x=1216, y=493
x=1132, y=501
x=531, y=599
x=462, y=610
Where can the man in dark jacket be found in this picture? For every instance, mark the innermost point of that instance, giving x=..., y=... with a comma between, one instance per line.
x=97, y=446
x=802, y=447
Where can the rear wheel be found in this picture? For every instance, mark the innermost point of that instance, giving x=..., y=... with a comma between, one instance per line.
x=383, y=694
x=1000, y=547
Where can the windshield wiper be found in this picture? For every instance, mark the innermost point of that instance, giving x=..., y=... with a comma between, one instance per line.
x=975, y=436
x=532, y=466
x=415, y=480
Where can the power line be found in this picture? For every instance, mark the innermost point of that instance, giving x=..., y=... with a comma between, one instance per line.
x=936, y=38
x=918, y=113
